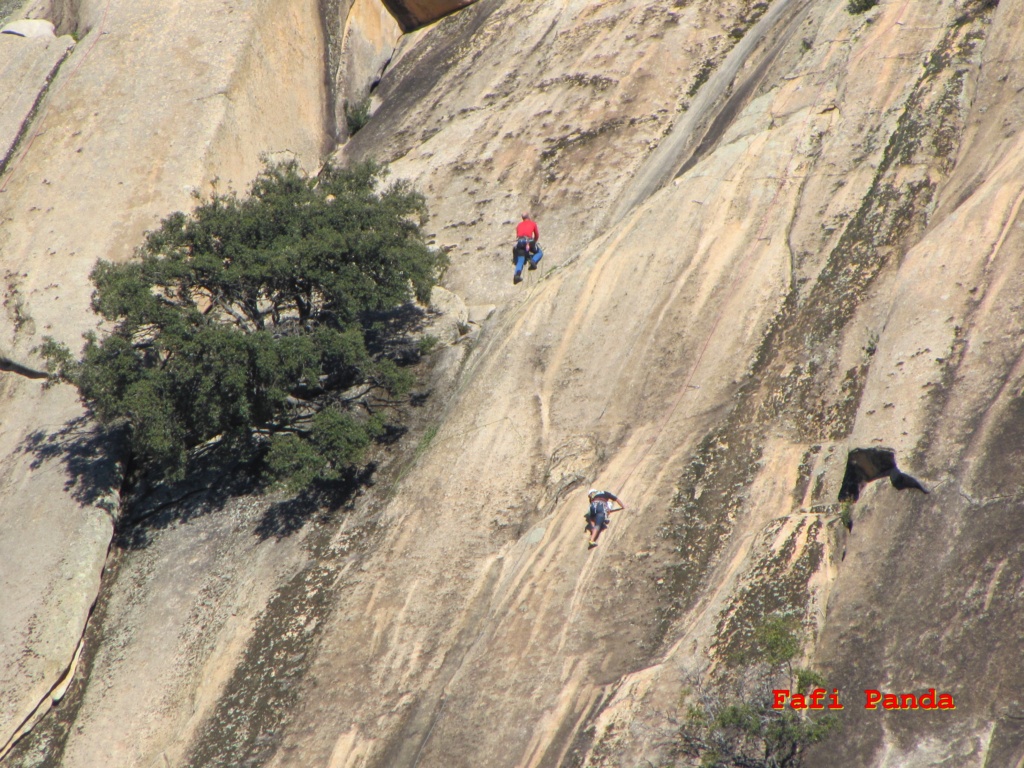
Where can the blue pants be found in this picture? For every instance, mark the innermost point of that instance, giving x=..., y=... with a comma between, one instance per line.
x=521, y=260
x=598, y=520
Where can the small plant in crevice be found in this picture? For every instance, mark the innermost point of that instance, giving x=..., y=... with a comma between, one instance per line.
x=427, y=344
x=703, y=73
x=14, y=303
x=846, y=515
x=357, y=114
x=428, y=437
x=733, y=719
x=748, y=20
x=872, y=346
x=974, y=9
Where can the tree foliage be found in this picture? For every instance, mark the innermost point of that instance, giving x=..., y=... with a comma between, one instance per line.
x=357, y=114
x=731, y=722
x=860, y=6
x=253, y=321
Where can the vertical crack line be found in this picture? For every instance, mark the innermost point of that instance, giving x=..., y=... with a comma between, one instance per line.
x=330, y=13
x=704, y=121
x=99, y=32
x=26, y=124
x=55, y=694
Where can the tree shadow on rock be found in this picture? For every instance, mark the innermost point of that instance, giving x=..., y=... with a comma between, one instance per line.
x=392, y=434
x=320, y=502
x=89, y=455
x=391, y=333
x=155, y=506
x=92, y=459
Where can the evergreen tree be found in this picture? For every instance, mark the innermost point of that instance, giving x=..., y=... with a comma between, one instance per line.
x=252, y=322
x=732, y=721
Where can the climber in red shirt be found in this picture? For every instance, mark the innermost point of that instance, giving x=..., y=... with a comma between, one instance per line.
x=526, y=247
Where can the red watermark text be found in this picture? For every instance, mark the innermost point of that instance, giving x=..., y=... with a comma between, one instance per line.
x=819, y=698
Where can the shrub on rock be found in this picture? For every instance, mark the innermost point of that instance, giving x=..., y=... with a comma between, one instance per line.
x=256, y=322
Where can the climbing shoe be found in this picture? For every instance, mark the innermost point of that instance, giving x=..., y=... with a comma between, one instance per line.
x=532, y=266
x=517, y=279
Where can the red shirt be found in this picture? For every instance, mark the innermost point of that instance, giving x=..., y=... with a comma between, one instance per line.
x=528, y=228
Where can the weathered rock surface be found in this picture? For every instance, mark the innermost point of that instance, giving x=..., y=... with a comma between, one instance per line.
x=803, y=271
x=450, y=316
x=26, y=66
x=772, y=234
x=29, y=28
x=148, y=107
x=361, y=39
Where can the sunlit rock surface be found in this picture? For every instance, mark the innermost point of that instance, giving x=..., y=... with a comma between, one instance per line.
x=773, y=233
x=152, y=103
x=361, y=39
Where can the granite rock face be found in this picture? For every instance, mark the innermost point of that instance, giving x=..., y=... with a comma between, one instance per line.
x=361, y=39
x=28, y=28
x=807, y=262
x=773, y=233
x=29, y=64
x=152, y=103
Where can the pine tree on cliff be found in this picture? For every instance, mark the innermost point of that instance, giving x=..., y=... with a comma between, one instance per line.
x=265, y=323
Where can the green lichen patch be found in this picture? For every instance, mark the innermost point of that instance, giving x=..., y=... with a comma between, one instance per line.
x=776, y=585
x=711, y=496
x=260, y=699
x=804, y=474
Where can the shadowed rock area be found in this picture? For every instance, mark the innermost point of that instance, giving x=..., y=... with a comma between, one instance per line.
x=774, y=233
x=865, y=465
x=413, y=14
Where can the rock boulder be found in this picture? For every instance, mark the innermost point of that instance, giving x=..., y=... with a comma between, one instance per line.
x=413, y=14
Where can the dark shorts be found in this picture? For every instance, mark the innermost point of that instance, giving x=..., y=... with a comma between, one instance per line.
x=598, y=520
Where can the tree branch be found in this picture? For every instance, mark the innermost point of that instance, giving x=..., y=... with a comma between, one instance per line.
x=239, y=318
x=6, y=364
